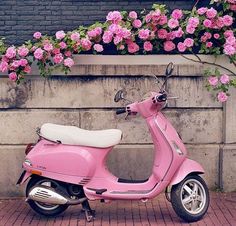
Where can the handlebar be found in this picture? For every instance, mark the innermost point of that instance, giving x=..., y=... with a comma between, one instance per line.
x=162, y=97
x=120, y=111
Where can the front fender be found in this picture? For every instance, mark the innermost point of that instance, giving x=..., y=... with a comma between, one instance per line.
x=24, y=176
x=187, y=167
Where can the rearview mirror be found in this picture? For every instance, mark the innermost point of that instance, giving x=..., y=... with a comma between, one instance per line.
x=119, y=96
x=169, y=69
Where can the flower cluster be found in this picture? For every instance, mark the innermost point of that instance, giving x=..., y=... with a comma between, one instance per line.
x=203, y=30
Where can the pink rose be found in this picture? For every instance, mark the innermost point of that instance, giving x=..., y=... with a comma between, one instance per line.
x=68, y=62
x=213, y=80
x=114, y=16
x=208, y=35
x=228, y=33
x=107, y=37
x=202, y=10
x=211, y=13
x=231, y=40
x=3, y=66
x=92, y=33
x=98, y=48
x=75, y=36
x=133, y=15
x=233, y=7
x=60, y=35
x=147, y=46
x=181, y=47
x=188, y=42
x=222, y=97
x=163, y=19
x=193, y=22
x=169, y=46
x=27, y=69
x=98, y=30
x=156, y=15
x=216, y=36
x=68, y=53
x=137, y=23
x=190, y=29
x=229, y=50
x=209, y=44
x=13, y=76
x=23, y=51
x=37, y=35
x=133, y=47
x=179, y=33
x=173, y=23
x=23, y=62
x=117, y=39
x=62, y=45
x=38, y=54
x=144, y=34
x=86, y=44
x=11, y=52
x=48, y=47
x=58, y=58
x=224, y=79
x=207, y=23
x=162, y=33
x=15, y=64
x=219, y=22
x=56, y=51
x=227, y=20
x=177, y=14
x=121, y=47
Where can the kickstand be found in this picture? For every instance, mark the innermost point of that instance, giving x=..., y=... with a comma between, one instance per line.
x=89, y=213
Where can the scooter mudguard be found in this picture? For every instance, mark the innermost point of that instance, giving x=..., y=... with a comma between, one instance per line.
x=187, y=167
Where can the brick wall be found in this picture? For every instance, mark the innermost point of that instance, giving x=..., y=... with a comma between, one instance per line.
x=20, y=18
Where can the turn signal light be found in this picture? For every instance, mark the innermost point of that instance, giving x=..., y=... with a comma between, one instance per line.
x=36, y=172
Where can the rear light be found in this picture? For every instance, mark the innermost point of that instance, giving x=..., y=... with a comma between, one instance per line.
x=29, y=148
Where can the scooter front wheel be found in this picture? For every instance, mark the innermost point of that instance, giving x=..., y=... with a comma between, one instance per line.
x=190, y=198
x=45, y=209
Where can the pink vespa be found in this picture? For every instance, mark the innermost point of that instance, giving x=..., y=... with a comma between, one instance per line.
x=67, y=166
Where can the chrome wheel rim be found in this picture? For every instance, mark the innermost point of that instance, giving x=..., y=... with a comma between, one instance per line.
x=193, y=196
x=46, y=206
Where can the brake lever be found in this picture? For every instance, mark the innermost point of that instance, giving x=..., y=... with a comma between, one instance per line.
x=172, y=98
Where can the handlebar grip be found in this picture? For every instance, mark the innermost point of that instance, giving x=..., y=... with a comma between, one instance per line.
x=120, y=111
x=161, y=98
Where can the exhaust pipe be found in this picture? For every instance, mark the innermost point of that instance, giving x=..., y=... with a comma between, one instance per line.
x=45, y=194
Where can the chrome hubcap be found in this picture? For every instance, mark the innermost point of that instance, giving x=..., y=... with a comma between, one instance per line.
x=193, y=196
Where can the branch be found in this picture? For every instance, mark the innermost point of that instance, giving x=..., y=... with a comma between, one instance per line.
x=195, y=4
x=209, y=63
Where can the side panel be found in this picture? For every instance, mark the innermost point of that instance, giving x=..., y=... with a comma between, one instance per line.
x=188, y=166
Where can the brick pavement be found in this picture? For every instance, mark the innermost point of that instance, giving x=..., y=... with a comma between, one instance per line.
x=222, y=211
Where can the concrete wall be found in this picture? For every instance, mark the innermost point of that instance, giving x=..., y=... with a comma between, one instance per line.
x=85, y=99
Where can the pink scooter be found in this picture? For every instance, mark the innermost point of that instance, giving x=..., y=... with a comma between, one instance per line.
x=68, y=166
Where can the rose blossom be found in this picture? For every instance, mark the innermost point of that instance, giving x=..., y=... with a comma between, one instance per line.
x=58, y=58
x=193, y=22
x=233, y=7
x=23, y=51
x=37, y=35
x=224, y=79
x=227, y=20
x=144, y=34
x=181, y=47
x=15, y=64
x=48, y=47
x=173, y=23
x=23, y=62
x=60, y=35
x=98, y=47
x=213, y=80
x=133, y=15
x=209, y=44
x=190, y=29
x=68, y=53
x=188, y=42
x=107, y=37
x=222, y=97
x=114, y=16
x=163, y=19
x=133, y=47
x=228, y=33
x=56, y=51
x=216, y=36
x=148, y=18
x=121, y=47
x=147, y=46
x=11, y=52
x=38, y=54
x=92, y=33
x=13, y=76
x=202, y=10
x=211, y=13
x=179, y=33
x=156, y=15
x=137, y=23
x=207, y=23
x=169, y=46
x=86, y=44
x=229, y=50
x=231, y=40
x=27, y=69
x=75, y=36
x=177, y=14
x=3, y=66
x=68, y=62
x=98, y=30
x=162, y=33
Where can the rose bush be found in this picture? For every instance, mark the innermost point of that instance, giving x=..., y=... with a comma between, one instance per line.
x=206, y=30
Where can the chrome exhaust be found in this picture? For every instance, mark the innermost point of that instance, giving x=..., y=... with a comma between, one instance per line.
x=45, y=194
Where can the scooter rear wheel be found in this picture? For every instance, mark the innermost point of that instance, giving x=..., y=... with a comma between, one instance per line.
x=190, y=198
x=45, y=209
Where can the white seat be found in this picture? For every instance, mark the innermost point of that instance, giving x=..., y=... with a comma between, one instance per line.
x=73, y=135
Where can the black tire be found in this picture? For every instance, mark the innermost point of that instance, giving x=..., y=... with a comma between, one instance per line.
x=180, y=193
x=43, y=208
